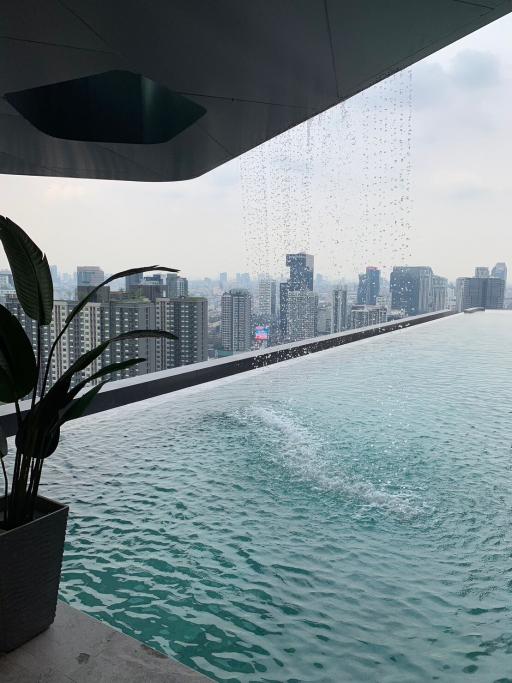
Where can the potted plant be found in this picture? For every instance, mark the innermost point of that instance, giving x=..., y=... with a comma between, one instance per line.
x=32, y=528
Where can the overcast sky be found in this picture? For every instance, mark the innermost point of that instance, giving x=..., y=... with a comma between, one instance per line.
x=450, y=206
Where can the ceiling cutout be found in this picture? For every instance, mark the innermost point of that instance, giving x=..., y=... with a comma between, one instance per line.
x=115, y=107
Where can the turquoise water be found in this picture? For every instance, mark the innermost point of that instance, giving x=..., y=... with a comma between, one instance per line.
x=342, y=517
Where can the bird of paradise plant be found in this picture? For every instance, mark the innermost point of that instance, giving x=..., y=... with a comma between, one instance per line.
x=22, y=372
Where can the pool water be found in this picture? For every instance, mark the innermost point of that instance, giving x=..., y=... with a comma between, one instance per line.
x=341, y=517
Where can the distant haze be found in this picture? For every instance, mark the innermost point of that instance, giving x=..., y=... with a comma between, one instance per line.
x=459, y=196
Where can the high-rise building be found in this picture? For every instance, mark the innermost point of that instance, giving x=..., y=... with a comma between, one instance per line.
x=124, y=316
x=339, y=310
x=236, y=332
x=451, y=297
x=365, y=315
x=152, y=287
x=223, y=280
x=369, y=286
x=500, y=270
x=439, y=293
x=187, y=318
x=243, y=280
x=284, y=288
x=6, y=285
x=84, y=333
x=482, y=271
x=267, y=298
x=132, y=284
x=301, y=267
x=324, y=318
x=480, y=292
x=302, y=316
x=411, y=289
x=87, y=278
x=176, y=286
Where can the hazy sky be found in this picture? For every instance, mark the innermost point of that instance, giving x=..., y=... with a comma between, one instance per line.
x=444, y=202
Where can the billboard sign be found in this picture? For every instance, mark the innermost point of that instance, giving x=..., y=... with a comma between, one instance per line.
x=262, y=332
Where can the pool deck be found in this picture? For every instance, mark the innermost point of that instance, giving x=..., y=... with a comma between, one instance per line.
x=79, y=649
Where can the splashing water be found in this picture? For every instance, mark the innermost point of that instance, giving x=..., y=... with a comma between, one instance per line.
x=306, y=456
x=337, y=186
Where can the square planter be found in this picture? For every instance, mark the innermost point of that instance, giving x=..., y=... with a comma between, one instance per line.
x=30, y=564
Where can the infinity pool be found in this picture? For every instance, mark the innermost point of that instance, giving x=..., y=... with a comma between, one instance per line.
x=341, y=517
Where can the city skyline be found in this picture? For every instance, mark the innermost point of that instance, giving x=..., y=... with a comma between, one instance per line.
x=227, y=318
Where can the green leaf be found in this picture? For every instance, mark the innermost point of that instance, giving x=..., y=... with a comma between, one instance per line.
x=53, y=442
x=107, y=370
x=3, y=444
x=6, y=386
x=30, y=272
x=133, y=334
x=57, y=396
x=80, y=405
x=90, y=356
x=116, y=276
x=34, y=435
x=17, y=362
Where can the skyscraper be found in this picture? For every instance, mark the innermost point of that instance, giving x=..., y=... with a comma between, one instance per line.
x=369, y=286
x=302, y=314
x=132, y=284
x=236, y=332
x=284, y=288
x=84, y=333
x=187, y=318
x=439, y=293
x=243, y=280
x=411, y=289
x=124, y=316
x=89, y=275
x=87, y=278
x=176, y=286
x=339, y=310
x=482, y=271
x=151, y=287
x=324, y=318
x=480, y=292
x=365, y=315
x=500, y=270
x=301, y=267
x=267, y=298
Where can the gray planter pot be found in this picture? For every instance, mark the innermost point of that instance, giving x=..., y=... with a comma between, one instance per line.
x=30, y=563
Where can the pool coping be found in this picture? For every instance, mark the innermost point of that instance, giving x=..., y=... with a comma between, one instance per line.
x=80, y=649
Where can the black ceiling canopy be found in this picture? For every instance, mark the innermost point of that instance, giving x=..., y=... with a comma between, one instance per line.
x=116, y=106
x=169, y=89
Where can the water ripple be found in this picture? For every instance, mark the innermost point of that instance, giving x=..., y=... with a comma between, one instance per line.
x=344, y=517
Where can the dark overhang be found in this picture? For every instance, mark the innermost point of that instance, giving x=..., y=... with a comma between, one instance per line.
x=228, y=74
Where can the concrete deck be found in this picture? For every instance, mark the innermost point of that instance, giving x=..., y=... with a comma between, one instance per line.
x=79, y=649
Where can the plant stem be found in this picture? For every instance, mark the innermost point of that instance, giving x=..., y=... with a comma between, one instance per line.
x=18, y=412
x=38, y=366
x=6, y=493
x=49, y=361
